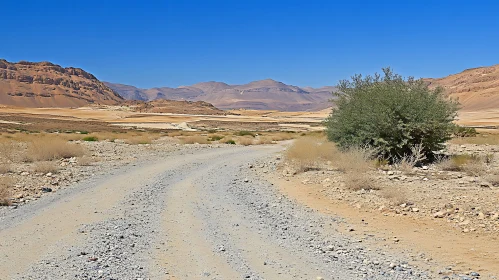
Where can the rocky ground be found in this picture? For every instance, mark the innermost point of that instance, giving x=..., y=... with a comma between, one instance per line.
x=467, y=202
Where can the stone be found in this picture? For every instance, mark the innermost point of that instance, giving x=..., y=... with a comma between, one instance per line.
x=439, y=214
x=46, y=189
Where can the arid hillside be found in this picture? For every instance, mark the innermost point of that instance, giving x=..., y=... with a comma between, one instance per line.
x=260, y=95
x=43, y=84
x=477, y=88
x=175, y=107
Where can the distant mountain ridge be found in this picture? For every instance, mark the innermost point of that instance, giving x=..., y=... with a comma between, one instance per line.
x=260, y=95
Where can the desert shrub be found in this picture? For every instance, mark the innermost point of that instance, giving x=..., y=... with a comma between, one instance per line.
x=230, y=141
x=90, y=138
x=45, y=167
x=5, y=193
x=245, y=133
x=52, y=148
x=195, y=139
x=461, y=131
x=390, y=114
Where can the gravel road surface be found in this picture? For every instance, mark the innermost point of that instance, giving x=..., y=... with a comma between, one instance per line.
x=197, y=213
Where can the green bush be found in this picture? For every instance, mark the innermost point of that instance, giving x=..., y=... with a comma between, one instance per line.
x=391, y=114
x=232, y=142
x=461, y=131
x=90, y=138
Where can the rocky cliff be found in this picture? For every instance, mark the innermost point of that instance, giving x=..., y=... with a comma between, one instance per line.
x=44, y=84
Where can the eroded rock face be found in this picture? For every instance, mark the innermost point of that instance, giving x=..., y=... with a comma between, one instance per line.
x=44, y=84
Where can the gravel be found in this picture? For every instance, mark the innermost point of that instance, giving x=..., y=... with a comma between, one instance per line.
x=243, y=219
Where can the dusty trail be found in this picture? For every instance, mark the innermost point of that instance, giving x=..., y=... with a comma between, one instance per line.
x=191, y=215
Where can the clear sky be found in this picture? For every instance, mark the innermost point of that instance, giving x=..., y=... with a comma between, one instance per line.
x=304, y=43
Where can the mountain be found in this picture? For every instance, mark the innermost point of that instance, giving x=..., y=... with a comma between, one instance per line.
x=476, y=88
x=43, y=84
x=262, y=95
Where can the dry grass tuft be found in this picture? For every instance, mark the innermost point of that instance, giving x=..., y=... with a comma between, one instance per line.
x=475, y=168
x=45, y=167
x=394, y=195
x=309, y=153
x=408, y=162
x=360, y=181
x=9, y=151
x=5, y=193
x=356, y=159
x=195, y=139
x=472, y=164
x=52, y=148
x=246, y=140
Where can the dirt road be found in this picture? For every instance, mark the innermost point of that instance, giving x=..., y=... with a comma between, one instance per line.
x=197, y=214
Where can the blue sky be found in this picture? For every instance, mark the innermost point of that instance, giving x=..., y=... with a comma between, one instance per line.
x=304, y=43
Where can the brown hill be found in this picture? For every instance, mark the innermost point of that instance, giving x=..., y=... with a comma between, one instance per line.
x=43, y=84
x=476, y=89
x=175, y=107
x=261, y=95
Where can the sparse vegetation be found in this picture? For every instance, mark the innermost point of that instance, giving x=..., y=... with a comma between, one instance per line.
x=230, y=141
x=391, y=114
x=51, y=148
